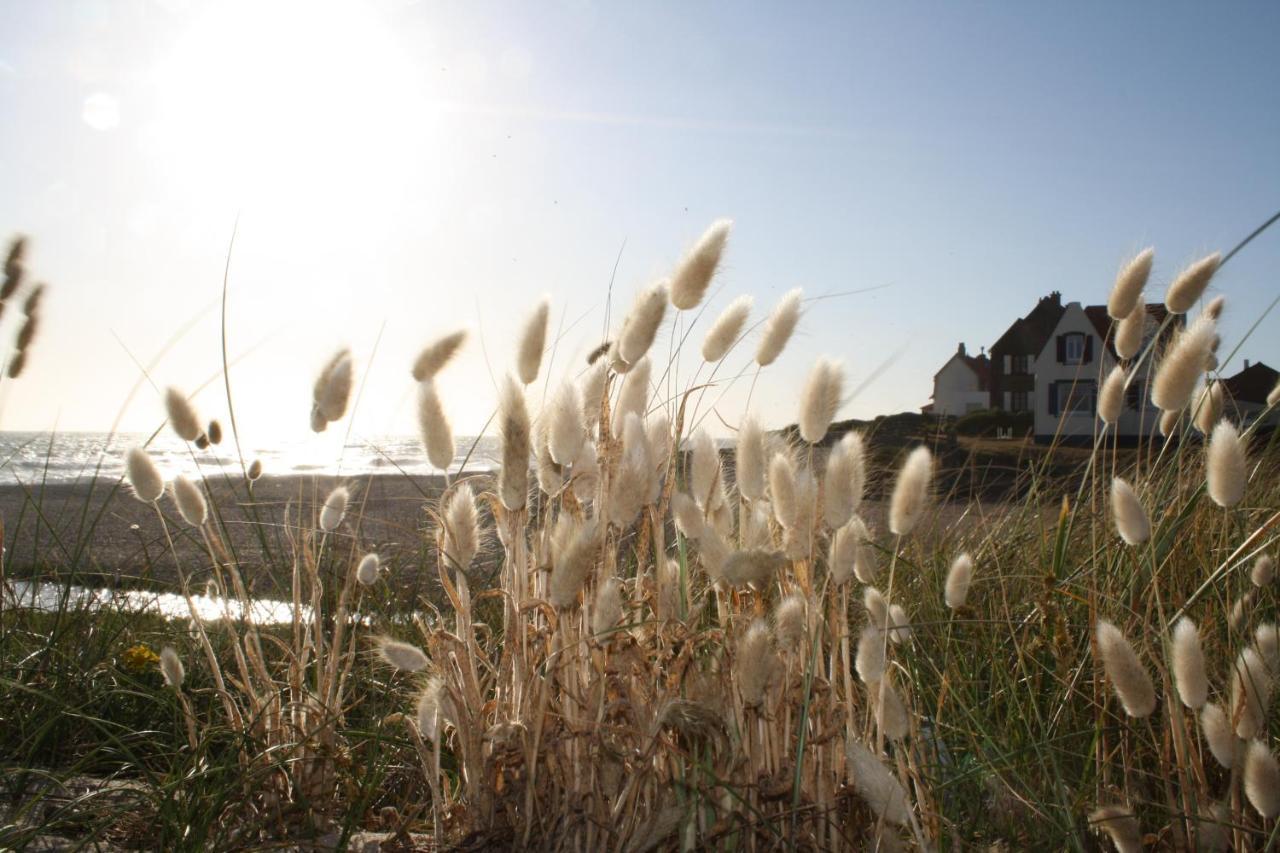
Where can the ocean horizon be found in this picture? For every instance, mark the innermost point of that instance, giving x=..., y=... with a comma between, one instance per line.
x=33, y=457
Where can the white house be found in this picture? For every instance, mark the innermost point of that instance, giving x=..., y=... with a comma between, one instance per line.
x=960, y=386
x=1070, y=368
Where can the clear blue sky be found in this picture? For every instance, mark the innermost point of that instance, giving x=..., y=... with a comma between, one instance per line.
x=440, y=164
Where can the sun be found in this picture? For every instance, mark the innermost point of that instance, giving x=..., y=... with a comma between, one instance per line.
x=308, y=110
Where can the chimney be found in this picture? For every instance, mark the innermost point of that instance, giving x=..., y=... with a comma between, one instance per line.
x=960, y=351
x=1246, y=362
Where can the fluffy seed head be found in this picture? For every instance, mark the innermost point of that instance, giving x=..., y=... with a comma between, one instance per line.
x=782, y=488
x=1273, y=399
x=1264, y=571
x=608, y=606
x=753, y=566
x=630, y=487
x=726, y=330
x=255, y=469
x=877, y=608
x=1120, y=826
x=1188, y=664
x=144, y=476
x=215, y=432
x=704, y=469
x=1215, y=306
x=1262, y=779
x=1266, y=639
x=789, y=623
x=820, y=399
x=750, y=459
x=1130, y=331
x=1251, y=685
x=845, y=479
x=1208, y=407
x=779, y=327
x=1128, y=676
x=460, y=533
x=182, y=415
x=434, y=427
x=911, y=492
x=332, y=390
x=755, y=663
x=633, y=398
x=430, y=706
x=1169, y=422
x=1183, y=362
x=1111, y=397
x=1131, y=519
x=870, y=662
x=533, y=340
x=842, y=556
x=641, y=325
x=437, y=354
x=513, y=426
x=572, y=566
x=959, y=578
x=1239, y=616
x=403, y=656
x=1190, y=284
x=1216, y=727
x=171, y=667
x=550, y=475
x=1127, y=291
x=593, y=384
x=190, y=500
x=1227, y=467
x=688, y=517
x=890, y=712
x=335, y=507
x=900, y=630
x=692, y=277
x=876, y=785
x=566, y=430
x=367, y=571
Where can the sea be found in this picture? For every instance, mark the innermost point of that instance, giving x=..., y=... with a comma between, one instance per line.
x=31, y=458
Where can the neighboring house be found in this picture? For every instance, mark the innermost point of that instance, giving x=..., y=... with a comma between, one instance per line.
x=1069, y=369
x=1012, y=384
x=960, y=386
x=1247, y=393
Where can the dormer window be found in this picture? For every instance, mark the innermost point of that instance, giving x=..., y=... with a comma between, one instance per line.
x=1075, y=348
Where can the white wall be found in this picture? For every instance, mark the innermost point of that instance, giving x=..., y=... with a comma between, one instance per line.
x=956, y=390
x=1048, y=370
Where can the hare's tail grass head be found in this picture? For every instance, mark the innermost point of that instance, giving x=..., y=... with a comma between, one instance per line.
x=1130, y=517
x=959, y=578
x=367, y=570
x=334, y=509
x=1186, y=358
x=727, y=328
x=332, y=390
x=693, y=276
x=190, y=500
x=641, y=325
x=1227, y=466
x=1126, y=294
x=1128, y=676
x=171, y=667
x=779, y=327
x=1188, y=664
x=1191, y=283
x=533, y=340
x=434, y=426
x=517, y=443
x=437, y=354
x=911, y=492
x=182, y=415
x=460, y=531
x=820, y=399
x=143, y=475
x=402, y=656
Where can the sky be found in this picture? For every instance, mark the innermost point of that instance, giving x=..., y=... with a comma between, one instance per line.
x=395, y=170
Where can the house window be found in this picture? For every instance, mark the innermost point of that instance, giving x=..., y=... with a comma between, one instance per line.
x=1019, y=402
x=1021, y=364
x=1070, y=397
x=1073, y=348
